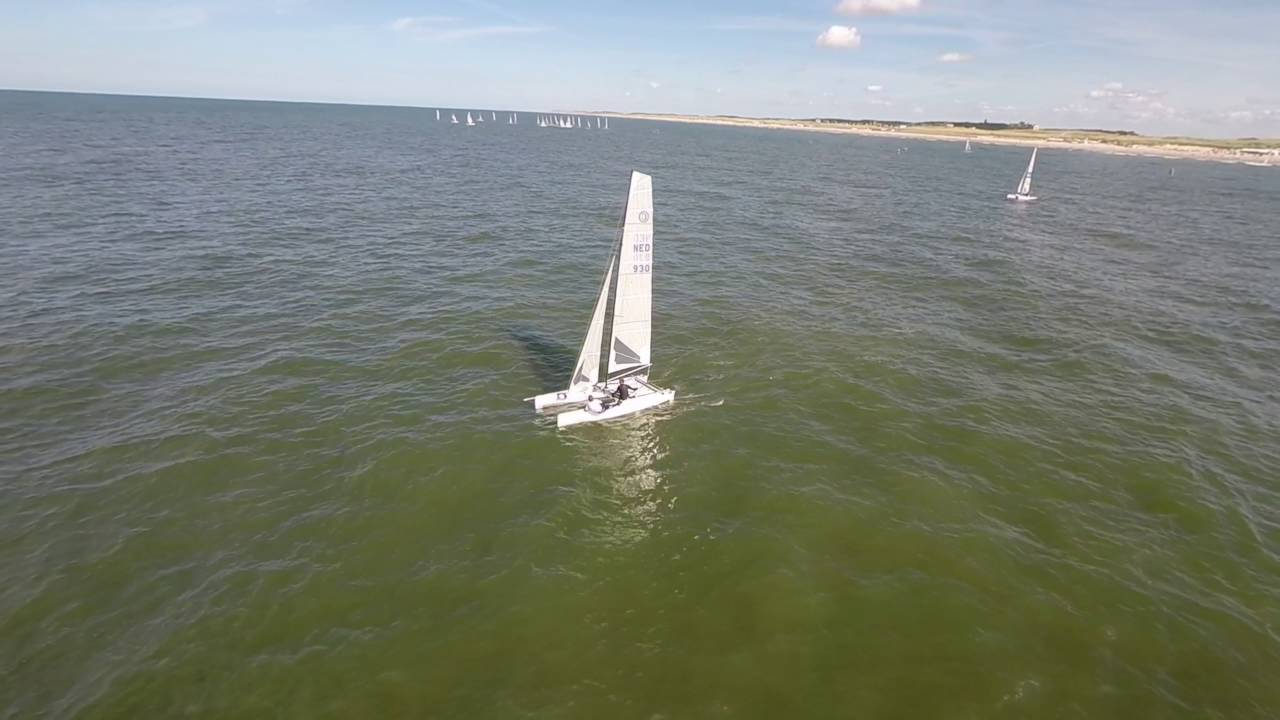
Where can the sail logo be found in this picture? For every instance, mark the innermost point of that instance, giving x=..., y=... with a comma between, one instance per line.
x=643, y=216
x=623, y=355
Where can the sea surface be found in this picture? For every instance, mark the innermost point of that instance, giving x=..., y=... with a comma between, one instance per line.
x=933, y=454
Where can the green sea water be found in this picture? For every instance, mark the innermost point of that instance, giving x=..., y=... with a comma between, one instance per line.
x=933, y=454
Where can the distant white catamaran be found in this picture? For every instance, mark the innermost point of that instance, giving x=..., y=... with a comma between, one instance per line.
x=1023, y=193
x=616, y=351
x=967, y=147
x=453, y=118
x=470, y=122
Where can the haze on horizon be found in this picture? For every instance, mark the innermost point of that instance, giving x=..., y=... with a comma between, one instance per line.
x=1177, y=67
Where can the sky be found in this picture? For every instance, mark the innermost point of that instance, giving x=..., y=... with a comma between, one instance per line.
x=1180, y=67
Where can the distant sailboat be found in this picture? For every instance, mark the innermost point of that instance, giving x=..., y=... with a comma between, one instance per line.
x=453, y=118
x=470, y=122
x=479, y=116
x=618, y=344
x=495, y=116
x=967, y=147
x=437, y=115
x=1023, y=193
x=606, y=123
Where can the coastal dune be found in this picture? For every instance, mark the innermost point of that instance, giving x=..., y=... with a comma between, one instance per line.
x=1255, y=152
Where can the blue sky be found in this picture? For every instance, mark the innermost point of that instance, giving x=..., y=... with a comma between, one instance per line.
x=1170, y=66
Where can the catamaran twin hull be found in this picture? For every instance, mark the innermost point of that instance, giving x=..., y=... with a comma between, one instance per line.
x=643, y=397
x=618, y=342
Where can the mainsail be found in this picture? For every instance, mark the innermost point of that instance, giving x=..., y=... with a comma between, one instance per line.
x=1024, y=187
x=631, y=326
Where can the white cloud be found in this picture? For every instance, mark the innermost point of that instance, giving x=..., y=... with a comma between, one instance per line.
x=444, y=28
x=874, y=88
x=1075, y=108
x=877, y=7
x=416, y=24
x=1115, y=92
x=918, y=110
x=954, y=57
x=880, y=101
x=840, y=36
x=655, y=84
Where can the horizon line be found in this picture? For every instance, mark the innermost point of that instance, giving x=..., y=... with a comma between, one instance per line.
x=573, y=112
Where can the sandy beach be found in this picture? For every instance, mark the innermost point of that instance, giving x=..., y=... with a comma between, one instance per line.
x=1145, y=146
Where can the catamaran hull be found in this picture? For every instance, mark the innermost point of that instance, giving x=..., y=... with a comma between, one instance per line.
x=562, y=399
x=1019, y=198
x=638, y=403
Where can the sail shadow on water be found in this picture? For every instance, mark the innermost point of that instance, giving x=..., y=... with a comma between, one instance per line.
x=551, y=360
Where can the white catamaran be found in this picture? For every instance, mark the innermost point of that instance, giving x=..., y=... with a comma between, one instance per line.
x=967, y=147
x=616, y=350
x=1023, y=193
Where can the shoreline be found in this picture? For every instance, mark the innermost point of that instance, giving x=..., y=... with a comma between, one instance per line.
x=1169, y=151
